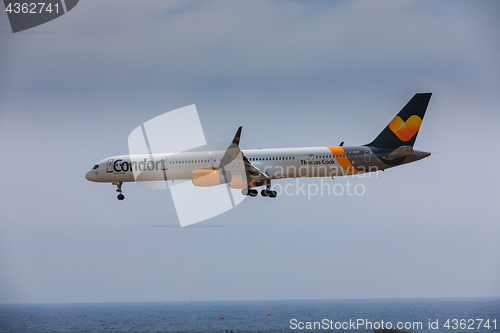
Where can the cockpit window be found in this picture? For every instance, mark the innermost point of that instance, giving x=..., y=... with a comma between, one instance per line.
x=95, y=166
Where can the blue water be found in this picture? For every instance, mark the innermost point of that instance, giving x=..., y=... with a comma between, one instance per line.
x=245, y=315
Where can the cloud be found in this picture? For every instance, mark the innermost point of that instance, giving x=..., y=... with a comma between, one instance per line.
x=112, y=47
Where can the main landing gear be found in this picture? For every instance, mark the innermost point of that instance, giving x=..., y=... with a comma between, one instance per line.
x=267, y=192
x=250, y=192
x=119, y=190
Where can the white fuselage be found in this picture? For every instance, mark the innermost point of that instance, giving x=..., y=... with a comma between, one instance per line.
x=276, y=163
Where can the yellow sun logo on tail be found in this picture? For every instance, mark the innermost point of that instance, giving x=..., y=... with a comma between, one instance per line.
x=405, y=130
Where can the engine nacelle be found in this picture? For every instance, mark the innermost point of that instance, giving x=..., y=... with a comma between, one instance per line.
x=205, y=178
x=237, y=184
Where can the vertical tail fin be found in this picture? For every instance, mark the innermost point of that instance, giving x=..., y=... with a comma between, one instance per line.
x=403, y=129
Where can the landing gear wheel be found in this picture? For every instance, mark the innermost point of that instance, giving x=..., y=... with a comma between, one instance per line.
x=119, y=190
x=249, y=192
x=265, y=192
x=273, y=194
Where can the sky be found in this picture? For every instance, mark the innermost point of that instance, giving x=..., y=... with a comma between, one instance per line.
x=293, y=74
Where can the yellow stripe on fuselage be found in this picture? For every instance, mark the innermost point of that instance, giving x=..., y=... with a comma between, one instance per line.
x=343, y=161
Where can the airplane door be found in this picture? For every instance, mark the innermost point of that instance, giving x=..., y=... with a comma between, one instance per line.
x=164, y=162
x=310, y=167
x=110, y=165
x=164, y=167
x=367, y=155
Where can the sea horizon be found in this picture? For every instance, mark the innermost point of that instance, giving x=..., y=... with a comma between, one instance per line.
x=417, y=314
x=264, y=300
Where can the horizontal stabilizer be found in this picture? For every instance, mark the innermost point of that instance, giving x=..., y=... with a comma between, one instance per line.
x=400, y=152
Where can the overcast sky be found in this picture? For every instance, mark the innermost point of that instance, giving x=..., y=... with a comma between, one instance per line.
x=293, y=74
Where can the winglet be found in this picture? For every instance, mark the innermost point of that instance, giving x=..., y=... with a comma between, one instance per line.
x=232, y=151
x=236, y=140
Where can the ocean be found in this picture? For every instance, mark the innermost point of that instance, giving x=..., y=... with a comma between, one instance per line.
x=417, y=315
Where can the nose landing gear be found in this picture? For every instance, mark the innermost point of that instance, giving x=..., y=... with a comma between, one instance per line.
x=119, y=190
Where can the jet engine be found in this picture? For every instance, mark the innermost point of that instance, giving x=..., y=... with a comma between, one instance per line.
x=205, y=178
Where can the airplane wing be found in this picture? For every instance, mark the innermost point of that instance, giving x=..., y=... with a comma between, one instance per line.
x=230, y=161
x=252, y=171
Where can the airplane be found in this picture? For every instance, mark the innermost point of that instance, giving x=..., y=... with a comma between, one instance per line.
x=258, y=167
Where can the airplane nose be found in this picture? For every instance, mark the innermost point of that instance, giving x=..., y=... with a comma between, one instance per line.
x=87, y=176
